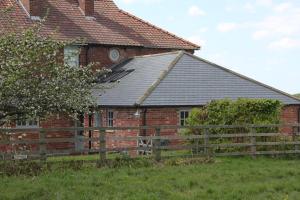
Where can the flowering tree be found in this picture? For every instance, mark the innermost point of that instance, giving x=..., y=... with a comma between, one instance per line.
x=36, y=82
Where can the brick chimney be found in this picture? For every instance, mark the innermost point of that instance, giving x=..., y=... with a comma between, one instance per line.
x=87, y=7
x=32, y=7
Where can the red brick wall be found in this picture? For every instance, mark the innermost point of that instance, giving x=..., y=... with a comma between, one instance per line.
x=170, y=116
x=122, y=118
x=290, y=115
x=125, y=117
x=100, y=54
x=33, y=7
x=59, y=121
x=162, y=116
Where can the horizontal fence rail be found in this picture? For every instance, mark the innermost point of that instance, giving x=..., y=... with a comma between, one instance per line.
x=209, y=140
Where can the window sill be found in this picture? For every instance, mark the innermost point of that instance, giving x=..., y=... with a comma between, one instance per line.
x=110, y=131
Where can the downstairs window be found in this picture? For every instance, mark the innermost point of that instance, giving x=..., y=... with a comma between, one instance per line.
x=110, y=118
x=183, y=116
x=27, y=123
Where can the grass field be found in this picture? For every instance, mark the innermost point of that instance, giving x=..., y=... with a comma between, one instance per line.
x=228, y=178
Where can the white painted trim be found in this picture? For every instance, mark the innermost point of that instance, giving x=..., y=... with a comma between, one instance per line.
x=34, y=18
x=90, y=18
x=21, y=4
x=27, y=125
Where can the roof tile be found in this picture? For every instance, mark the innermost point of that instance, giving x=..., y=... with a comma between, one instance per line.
x=181, y=79
x=110, y=26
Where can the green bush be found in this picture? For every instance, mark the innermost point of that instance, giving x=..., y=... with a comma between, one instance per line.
x=239, y=112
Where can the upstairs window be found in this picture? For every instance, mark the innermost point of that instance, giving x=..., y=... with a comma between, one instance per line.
x=183, y=116
x=27, y=123
x=110, y=118
x=71, y=56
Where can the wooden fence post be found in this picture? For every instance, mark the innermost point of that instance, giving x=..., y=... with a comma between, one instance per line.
x=157, y=150
x=253, y=142
x=43, y=145
x=206, y=143
x=197, y=141
x=102, y=147
x=295, y=138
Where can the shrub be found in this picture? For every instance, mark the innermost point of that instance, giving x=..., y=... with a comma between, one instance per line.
x=229, y=112
x=239, y=112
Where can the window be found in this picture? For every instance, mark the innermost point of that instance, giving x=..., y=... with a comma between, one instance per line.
x=27, y=123
x=184, y=114
x=114, y=55
x=110, y=118
x=97, y=119
x=71, y=56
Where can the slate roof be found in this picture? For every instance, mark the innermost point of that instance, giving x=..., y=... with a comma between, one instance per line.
x=111, y=25
x=182, y=79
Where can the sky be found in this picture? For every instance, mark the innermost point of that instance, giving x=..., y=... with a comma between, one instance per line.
x=257, y=38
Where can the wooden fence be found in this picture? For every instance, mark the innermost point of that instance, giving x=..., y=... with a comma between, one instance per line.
x=210, y=141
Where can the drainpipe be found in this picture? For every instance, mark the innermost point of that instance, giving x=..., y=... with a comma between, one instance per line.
x=90, y=132
x=144, y=123
x=87, y=55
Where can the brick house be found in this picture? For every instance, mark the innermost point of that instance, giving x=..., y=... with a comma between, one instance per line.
x=111, y=35
x=161, y=89
x=155, y=81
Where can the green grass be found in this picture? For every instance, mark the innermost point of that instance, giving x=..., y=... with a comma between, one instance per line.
x=95, y=157
x=297, y=95
x=230, y=178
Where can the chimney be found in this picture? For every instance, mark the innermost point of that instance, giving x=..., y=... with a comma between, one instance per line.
x=87, y=7
x=32, y=7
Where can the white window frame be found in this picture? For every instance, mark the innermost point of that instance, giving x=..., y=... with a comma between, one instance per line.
x=71, y=56
x=110, y=119
x=185, y=116
x=27, y=123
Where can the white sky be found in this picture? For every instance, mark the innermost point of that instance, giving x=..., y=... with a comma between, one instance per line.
x=258, y=38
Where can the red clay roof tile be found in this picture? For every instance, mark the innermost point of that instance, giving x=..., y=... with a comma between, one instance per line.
x=110, y=26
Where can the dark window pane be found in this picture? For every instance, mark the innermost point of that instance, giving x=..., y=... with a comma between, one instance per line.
x=181, y=115
x=110, y=119
x=182, y=122
x=187, y=115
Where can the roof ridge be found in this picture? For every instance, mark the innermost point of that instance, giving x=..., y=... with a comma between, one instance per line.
x=243, y=76
x=160, y=78
x=157, y=54
x=160, y=29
